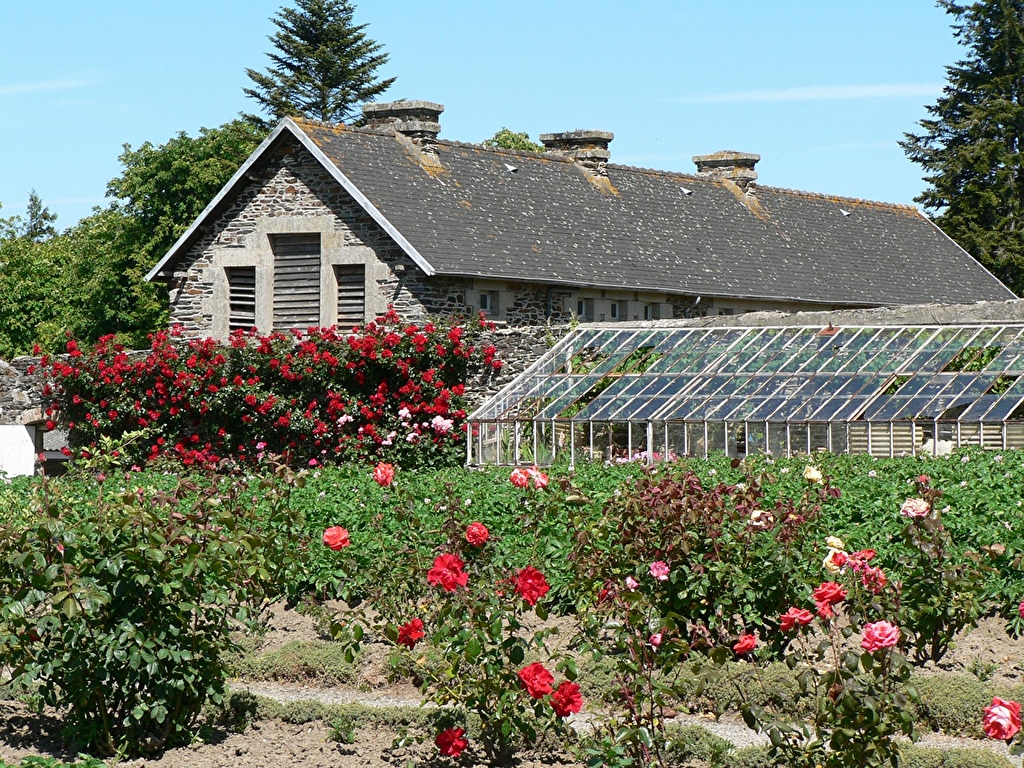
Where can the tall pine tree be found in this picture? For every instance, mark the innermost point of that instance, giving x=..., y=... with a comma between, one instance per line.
x=972, y=146
x=324, y=65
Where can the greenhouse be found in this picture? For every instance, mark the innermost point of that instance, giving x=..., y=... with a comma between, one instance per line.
x=644, y=394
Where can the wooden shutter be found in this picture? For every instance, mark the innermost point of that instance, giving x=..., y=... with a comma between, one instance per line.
x=241, y=298
x=296, y=280
x=351, y=294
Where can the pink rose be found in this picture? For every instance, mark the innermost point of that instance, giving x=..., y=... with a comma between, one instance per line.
x=656, y=639
x=519, y=478
x=879, y=635
x=1020, y=609
x=1002, y=719
x=631, y=583
x=384, y=474
x=659, y=570
x=915, y=508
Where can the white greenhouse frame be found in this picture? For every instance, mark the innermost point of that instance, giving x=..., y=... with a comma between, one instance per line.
x=643, y=393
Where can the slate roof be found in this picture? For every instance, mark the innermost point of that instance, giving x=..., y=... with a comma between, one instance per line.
x=547, y=222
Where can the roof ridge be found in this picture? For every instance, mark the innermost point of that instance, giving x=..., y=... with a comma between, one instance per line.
x=840, y=198
x=557, y=157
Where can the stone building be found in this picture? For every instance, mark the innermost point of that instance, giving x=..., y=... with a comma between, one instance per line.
x=329, y=224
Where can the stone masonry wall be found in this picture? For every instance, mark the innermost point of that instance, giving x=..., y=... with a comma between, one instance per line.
x=292, y=184
x=21, y=392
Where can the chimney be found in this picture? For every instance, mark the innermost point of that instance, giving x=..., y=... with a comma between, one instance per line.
x=737, y=167
x=414, y=119
x=588, y=148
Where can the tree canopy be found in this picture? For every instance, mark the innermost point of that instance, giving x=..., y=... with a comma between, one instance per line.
x=89, y=280
x=971, y=145
x=324, y=65
x=509, y=139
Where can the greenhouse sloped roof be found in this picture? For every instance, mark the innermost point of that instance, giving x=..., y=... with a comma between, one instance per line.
x=777, y=374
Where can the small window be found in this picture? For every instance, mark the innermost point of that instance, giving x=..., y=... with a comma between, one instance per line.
x=241, y=298
x=615, y=310
x=647, y=311
x=489, y=302
x=581, y=308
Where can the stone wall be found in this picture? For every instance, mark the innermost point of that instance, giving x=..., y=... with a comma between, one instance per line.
x=292, y=192
x=21, y=392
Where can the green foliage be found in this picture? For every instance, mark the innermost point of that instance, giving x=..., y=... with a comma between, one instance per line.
x=33, y=761
x=508, y=139
x=88, y=281
x=320, y=662
x=163, y=189
x=951, y=704
x=118, y=602
x=970, y=146
x=324, y=65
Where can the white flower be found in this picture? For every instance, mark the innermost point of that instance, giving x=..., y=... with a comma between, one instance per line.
x=965, y=459
x=784, y=470
x=872, y=473
x=713, y=472
x=834, y=542
x=469, y=502
x=963, y=483
x=997, y=458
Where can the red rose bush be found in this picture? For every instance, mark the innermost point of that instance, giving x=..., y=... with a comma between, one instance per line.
x=389, y=392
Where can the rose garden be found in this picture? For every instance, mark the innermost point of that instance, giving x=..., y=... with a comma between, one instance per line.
x=588, y=615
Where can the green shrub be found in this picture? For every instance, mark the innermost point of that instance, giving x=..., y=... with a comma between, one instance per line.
x=953, y=704
x=974, y=758
x=300, y=660
x=121, y=614
x=747, y=757
x=691, y=742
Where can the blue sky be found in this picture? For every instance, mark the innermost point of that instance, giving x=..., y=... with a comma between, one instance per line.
x=822, y=91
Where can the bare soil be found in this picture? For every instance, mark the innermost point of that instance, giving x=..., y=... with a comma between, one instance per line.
x=275, y=743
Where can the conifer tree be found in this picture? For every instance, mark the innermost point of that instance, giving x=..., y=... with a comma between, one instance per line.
x=323, y=67
x=972, y=146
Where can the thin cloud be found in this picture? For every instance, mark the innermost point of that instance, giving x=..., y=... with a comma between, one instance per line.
x=818, y=93
x=17, y=89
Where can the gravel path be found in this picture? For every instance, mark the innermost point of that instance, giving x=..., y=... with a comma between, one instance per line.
x=730, y=728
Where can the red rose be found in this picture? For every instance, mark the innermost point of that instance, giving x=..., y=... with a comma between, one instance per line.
x=477, y=534
x=540, y=480
x=384, y=474
x=336, y=538
x=1002, y=719
x=745, y=644
x=531, y=585
x=880, y=634
x=793, y=617
x=447, y=573
x=410, y=633
x=566, y=699
x=519, y=478
x=824, y=610
x=536, y=679
x=830, y=593
x=450, y=742
x=873, y=579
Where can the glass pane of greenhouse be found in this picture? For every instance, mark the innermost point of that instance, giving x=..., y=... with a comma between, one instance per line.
x=647, y=394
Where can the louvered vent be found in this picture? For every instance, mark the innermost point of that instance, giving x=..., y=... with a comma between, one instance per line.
x=351, y=294
x=296, y=280
x=241, y=298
